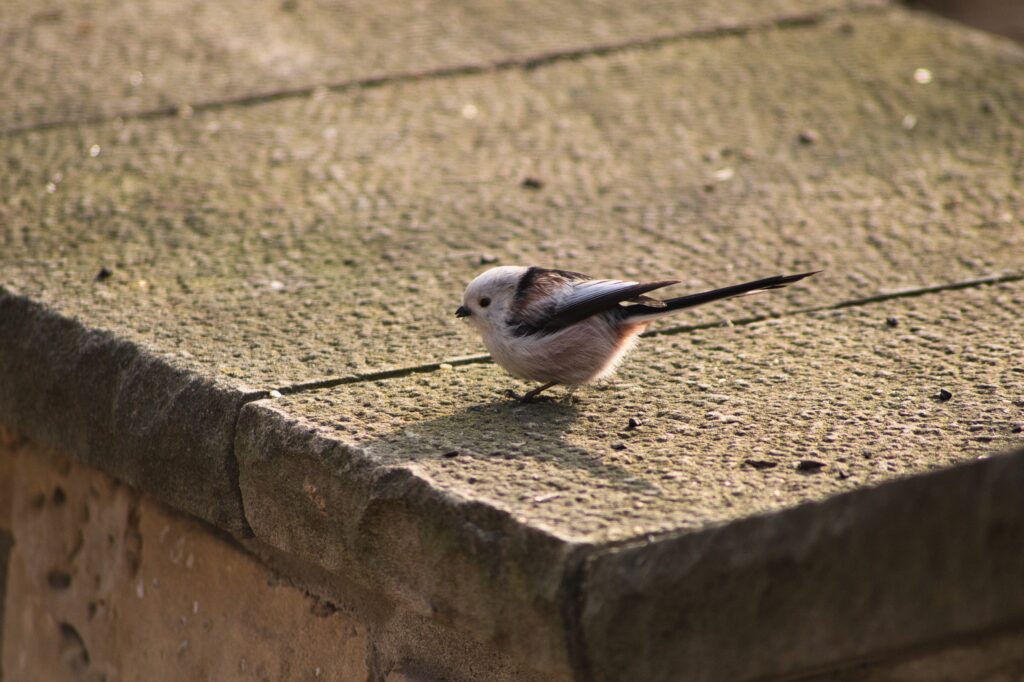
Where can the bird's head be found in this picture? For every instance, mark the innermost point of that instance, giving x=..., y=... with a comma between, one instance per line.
x=488, y=298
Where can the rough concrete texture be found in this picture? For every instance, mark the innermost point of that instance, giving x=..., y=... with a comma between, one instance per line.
x=859, y=575
x=257, y=247
x=407, y=638
x=459, y=563
x=991, y=657
x=159, y=272
x=6, y=542
x=727, y=416
x=994, y=657
x=326, y=236
x=74, y=60
x=8, y=445
x=444, y=491
x=160, y=428
x=104, y=584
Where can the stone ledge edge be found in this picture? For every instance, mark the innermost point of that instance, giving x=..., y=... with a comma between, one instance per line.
x=863, y=575
x=115, y=406
x=466, y=564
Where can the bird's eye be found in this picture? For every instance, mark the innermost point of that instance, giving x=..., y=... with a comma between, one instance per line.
x=484, y=302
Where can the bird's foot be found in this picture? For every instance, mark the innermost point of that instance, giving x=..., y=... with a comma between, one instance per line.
x=531, y=396
x=526, y=398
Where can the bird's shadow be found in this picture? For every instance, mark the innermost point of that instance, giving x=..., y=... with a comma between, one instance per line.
x=509, y=430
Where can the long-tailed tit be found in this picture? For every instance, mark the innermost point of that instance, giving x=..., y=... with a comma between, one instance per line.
x=560, y=327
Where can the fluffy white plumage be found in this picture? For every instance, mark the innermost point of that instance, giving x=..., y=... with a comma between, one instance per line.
x=561, y=327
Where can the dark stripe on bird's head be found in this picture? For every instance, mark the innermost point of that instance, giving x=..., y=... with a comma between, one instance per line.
x=526, y=281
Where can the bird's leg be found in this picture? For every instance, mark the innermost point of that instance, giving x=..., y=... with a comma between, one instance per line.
x=536, y=392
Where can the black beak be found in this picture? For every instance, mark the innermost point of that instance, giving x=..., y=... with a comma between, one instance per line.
x=462, y=311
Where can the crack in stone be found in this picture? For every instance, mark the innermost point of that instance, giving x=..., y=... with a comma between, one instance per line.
x=524, y=62
x=399, y=372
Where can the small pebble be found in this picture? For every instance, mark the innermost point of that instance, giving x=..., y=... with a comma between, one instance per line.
x=488, y=259
x=104, y=273
x=808, y=137
x=531, y=182
x=619, y=446
x=810, y=465
x=451, y=453
x=892, y=322
x=634, y=423
x=275, y=394
x=944, y=395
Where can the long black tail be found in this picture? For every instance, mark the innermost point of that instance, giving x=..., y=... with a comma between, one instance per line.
x=641, y=311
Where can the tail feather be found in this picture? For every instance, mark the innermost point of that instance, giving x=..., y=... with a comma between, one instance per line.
x=641, y=312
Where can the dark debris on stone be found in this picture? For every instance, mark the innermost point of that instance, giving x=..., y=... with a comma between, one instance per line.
x=810, y=465
x=808, y=137
x=760, y=464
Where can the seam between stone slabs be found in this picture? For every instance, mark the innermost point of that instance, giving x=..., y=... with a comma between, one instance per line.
x=524, y=62
x=482, y=359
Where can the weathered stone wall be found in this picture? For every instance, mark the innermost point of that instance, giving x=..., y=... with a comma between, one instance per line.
x=990, y=657
x=103, y=583
x=98, y=582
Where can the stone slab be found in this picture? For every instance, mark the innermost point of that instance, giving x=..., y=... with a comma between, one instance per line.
x=6, y=543
x=863, y=575
x=77, y=60
x=727, y=416
x=407, y=641
x=324, y=237
x=162, y=429
x=105, y=584
x=462, y=564
x=450, y=493
x=320, y=238
x=9, y=444
x=988, y=657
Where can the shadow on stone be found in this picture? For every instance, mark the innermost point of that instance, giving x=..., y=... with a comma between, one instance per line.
x=507, y=429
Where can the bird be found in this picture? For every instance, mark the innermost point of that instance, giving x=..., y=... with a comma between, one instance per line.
x=559, y=327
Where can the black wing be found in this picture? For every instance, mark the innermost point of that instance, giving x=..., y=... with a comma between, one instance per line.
x=547, y=301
